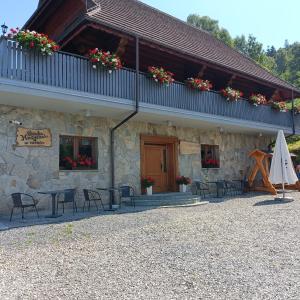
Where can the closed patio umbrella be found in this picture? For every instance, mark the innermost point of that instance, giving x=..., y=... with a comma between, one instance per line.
x=282, y=169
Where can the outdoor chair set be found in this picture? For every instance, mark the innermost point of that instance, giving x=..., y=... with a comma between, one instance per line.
x=219, y=189
x=60, y=198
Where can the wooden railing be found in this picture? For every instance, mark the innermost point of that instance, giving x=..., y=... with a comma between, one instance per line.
x=74, y=72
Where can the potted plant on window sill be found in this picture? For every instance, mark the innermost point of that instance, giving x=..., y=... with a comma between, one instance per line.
x=147, y=184
x=183, y=182
x=81, y=163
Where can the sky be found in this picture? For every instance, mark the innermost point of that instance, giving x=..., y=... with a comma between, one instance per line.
x=271, y=21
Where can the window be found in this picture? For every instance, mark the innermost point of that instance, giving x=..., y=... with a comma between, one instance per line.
x=78, y=153
x=210, y=156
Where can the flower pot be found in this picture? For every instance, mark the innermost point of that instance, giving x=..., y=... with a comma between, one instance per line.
x=182, y=188
x=149, y=190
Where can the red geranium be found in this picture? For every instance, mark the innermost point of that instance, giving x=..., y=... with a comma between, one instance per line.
x=160, y=75
x=147, y=182
x=81, y=160
x=231, y=94
x=104, y=59
x=257, y=99
x=210, y=163
x=280, y=106
x=199, y=84
x=34, y=40
x=183, y=180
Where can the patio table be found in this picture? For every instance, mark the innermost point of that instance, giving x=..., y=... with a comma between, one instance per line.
x=54, y=195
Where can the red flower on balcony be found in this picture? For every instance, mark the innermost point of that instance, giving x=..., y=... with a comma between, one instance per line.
x=160, y=75
x=231, y=94
x=199, y=84
x=34, y=40
x=104, y=59
x=279, y=106
x=258, y=99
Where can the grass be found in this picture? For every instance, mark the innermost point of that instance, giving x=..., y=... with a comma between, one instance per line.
x=68, y=229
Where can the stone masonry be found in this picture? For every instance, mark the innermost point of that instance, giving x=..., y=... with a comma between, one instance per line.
x=35, y=169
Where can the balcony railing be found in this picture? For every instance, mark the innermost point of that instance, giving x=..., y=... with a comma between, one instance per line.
x=74, y=72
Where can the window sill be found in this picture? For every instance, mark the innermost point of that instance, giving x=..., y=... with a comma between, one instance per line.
x=211, y=168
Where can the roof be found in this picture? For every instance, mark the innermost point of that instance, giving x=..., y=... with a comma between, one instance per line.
x=149, y=23
x=41, y=3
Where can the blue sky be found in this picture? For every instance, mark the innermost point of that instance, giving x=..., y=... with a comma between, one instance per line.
x=271, y=21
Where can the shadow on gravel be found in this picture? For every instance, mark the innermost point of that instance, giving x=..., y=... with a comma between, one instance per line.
x=272, y=202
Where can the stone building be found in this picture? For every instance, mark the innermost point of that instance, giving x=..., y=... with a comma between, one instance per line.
x=153, y=130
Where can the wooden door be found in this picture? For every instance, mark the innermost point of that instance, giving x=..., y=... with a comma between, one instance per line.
x=155, y=162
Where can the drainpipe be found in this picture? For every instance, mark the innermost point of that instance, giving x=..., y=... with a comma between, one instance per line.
x=293, y=123
x=135, y=112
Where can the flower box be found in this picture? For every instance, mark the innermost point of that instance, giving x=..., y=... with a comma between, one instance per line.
x=210, y=164
x=231, y=94
x=80, y=163
x=280, y=106
x=257, y=99
x=160, y=75
x=198, y=84
x=104, y=59
x=35, y=41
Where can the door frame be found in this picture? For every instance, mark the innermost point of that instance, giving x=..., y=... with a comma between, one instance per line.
x=172, y=154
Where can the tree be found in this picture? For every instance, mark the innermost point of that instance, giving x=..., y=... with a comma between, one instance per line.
x=211, y=26
x=225, y=37
x=240, y=43
x=204, y=23
x=254, y=48
x=271, y=51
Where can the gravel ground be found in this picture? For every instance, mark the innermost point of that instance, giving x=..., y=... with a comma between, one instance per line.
x=231, y=250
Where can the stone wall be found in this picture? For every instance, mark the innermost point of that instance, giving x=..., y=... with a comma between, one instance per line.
x=34, y=169
x=234, y=150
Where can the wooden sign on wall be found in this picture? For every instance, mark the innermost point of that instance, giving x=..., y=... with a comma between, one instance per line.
x=189, y=148
x=27, y=137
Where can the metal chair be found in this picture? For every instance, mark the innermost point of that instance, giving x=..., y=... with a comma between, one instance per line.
x=92, y=196
x=68, y=197
x=202, y=188
x=222, y=189
x=232, y=187
x=19, y=203
x=127, y=191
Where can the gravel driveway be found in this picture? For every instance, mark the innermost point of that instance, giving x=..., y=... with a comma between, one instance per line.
x=229, y=250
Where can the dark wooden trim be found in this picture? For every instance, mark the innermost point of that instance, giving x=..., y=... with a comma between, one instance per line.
x=172, y=154
x=201, y=72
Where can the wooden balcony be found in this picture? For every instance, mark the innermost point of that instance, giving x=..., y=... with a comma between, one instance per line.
x=67, y=71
